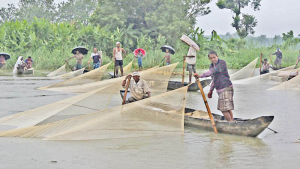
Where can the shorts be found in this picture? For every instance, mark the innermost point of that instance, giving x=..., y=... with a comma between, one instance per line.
x=190, y=68
x=78, y=66
x=225, y=102
x=278, y=61
x=168, y=63
x=119, y=63
x=140, y=62
x=96, y=65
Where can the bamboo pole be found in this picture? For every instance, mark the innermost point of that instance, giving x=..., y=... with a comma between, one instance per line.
x=206, y=105
x=261, y=55
x=126, y=90
x=183, y=71
x=69, y=65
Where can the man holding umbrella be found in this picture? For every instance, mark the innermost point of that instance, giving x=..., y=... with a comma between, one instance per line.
x=78, y=55
x=3, y=58
x=139, y=54
x=118, y=58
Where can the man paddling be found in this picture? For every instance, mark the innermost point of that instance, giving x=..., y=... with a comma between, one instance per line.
x=118, y=58
x=138, y=88
x=221, y=81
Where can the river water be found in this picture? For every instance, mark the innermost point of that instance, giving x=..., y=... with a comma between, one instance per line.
x=195, y=149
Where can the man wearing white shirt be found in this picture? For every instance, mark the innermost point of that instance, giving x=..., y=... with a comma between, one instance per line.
x=191, y=62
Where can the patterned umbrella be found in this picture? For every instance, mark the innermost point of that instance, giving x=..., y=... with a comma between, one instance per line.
x=136, y=51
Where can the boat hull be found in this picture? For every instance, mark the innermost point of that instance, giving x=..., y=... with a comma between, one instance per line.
x=242, y=127
x=173, y=85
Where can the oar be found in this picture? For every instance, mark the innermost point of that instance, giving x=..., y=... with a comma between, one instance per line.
x=69, y=65
x=261, y=55
x=206, y=105
x=126, y=90
x=272, y=130
x=183, y=71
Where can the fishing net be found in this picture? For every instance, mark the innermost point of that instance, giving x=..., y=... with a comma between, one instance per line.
x=157, y=79
x=92, y=76
x=69, y=75
x=59, y=71
x=245, y=72
x=292, y=84
x=156, y=116
x=278, y=76
x=127, y=68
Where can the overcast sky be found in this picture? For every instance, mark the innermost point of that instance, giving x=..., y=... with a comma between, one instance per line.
x=274, y=18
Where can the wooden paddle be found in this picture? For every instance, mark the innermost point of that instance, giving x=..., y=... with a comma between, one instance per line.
x=126, y=90
x=183, y=71
x=206, y=105
x=261, y=55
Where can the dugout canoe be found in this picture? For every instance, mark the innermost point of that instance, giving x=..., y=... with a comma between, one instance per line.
x=242, y=127
x=172, y=85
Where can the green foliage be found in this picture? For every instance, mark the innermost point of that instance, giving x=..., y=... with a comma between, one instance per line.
x=243, y=24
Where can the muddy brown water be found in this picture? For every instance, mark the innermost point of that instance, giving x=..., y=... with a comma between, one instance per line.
x=195, y=149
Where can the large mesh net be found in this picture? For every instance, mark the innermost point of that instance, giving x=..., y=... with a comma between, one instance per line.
x=278, y=76
x=69, y=75
x=157, y=79
x=292, y=84
x=59, y=71
x=127, y=68
x=156, y=116
x=92, y=76
x=245, y=72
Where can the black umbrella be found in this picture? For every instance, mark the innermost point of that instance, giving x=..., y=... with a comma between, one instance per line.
x=171, y=50
x=81, y=49
x=5, y=55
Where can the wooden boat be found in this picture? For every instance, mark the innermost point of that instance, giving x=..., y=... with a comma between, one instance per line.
x=29, y=71
x=276, y=68
x=242, y=127
x=172, y=85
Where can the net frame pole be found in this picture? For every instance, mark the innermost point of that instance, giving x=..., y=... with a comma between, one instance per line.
x=126, y=90
x=69, y=65
x=183, y=66
x=206, y=105
x=261, y=55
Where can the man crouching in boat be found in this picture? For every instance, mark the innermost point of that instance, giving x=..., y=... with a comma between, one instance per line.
x=221, y=81
x=138, y=88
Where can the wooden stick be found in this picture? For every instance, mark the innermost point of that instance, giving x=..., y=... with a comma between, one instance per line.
x=206, y=105
x=183, y=71
x=114, y=68
x=261, y=55
x=271, y=61
x=126, y=90
x=69, y=65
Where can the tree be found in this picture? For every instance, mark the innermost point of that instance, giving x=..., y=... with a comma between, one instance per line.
x=243, y=23
x=169, y=18
x=8, y=14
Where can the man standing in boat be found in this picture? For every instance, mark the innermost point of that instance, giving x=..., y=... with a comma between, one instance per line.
x=191, y=62
x=221, y=81
x=79, y=58
x=97, y=59
x=138, y=88
x=118, y=58
x=278, y=59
